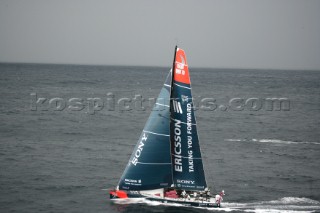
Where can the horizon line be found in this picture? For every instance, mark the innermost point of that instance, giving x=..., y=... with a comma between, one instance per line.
x=158, y=66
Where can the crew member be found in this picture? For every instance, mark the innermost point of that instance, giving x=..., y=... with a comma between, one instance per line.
x=219, y=198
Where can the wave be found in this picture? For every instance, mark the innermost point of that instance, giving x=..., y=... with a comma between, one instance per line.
x=294, y=200
x=282, y=205
x=271, y=141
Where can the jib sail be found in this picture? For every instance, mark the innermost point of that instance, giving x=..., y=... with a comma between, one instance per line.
x=149, y=166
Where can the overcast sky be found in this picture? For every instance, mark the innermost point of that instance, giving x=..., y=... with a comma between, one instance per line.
x=277, y=34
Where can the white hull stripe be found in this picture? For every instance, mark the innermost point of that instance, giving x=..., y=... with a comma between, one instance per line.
x=181, y=86
x=167, y=85
x=156, y=133
x=162, y=105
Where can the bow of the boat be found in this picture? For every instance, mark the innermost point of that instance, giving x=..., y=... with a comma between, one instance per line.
x=117, y=194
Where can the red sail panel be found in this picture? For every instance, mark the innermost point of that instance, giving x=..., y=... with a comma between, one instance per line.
x=181, y=67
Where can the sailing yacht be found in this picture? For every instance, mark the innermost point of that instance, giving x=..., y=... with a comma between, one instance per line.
x=166, y=164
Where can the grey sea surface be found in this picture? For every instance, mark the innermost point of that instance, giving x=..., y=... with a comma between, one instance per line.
x=60, y=155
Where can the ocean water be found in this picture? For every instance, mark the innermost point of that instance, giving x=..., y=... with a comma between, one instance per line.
x=67, y=131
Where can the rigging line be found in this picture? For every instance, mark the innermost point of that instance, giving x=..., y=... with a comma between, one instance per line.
x=160, y=115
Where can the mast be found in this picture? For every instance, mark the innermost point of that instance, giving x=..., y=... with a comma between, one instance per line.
x=173, y=69
x=170, y=110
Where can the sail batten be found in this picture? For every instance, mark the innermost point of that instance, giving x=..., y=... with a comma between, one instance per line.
x=154, y=163
x=182, y=86
x=156, y=133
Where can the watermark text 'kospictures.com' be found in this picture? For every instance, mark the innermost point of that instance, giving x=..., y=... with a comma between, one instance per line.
x=110, y=102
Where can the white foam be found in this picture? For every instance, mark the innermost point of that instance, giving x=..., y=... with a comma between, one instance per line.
x=295, y=200
x=282, y=205
x=277, y=141
x=235, y=140
x=276, y=211
x=129, y=200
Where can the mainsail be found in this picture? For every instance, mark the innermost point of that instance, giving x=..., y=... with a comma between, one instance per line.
x=187, y=167
x=149, y=166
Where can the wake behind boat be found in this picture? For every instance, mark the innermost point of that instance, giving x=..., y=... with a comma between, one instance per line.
x=166, y=164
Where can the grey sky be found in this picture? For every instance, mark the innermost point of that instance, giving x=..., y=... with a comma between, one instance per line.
x=274, y=34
